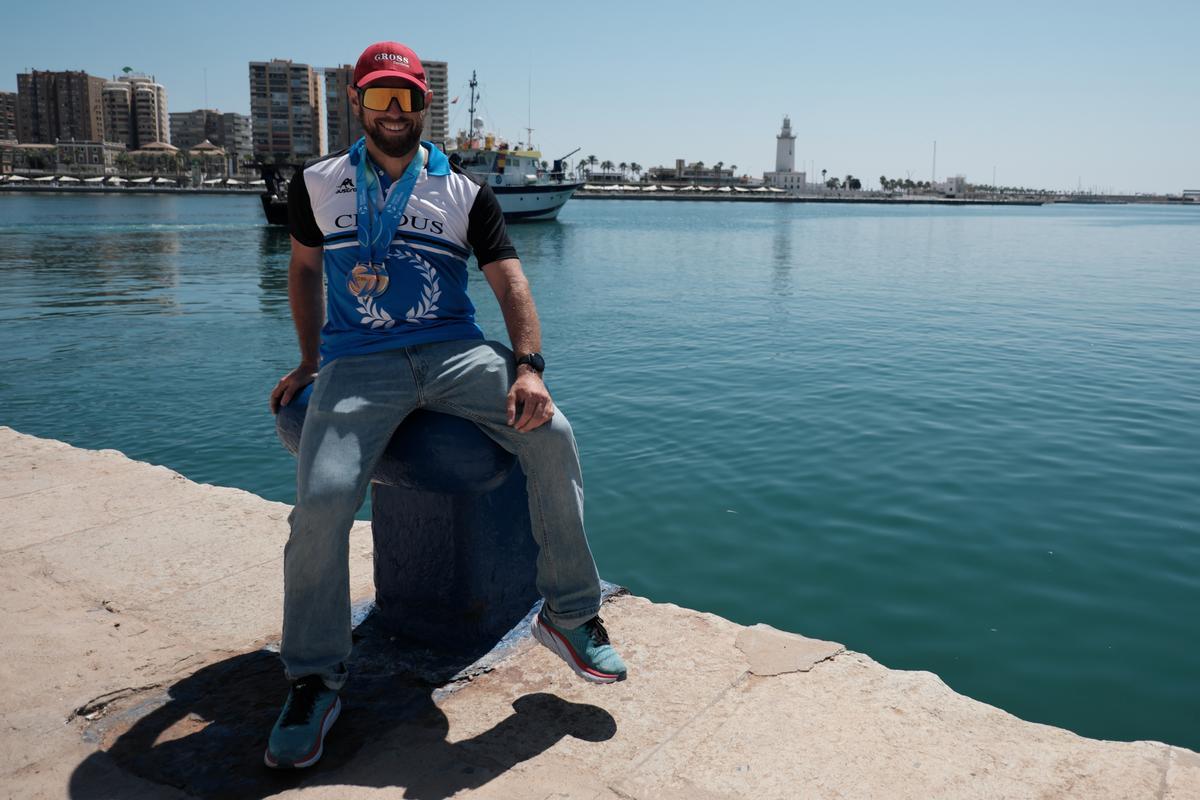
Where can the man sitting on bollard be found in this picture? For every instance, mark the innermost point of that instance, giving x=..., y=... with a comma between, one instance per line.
x=392, y=223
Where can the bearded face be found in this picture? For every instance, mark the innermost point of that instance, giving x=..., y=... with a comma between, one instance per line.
x=396, y=133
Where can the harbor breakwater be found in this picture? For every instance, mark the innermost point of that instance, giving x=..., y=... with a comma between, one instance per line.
x=751, y=197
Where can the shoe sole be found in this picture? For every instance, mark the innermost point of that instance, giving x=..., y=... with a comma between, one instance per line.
x=330, y=717
x=555, y=643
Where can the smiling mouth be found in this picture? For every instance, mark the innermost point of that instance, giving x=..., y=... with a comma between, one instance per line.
x=393, y=127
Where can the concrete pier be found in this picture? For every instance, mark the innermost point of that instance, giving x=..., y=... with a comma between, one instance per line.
x=139, y=609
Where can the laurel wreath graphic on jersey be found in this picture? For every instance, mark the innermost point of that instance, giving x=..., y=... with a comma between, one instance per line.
x=374, y=316
x=431, y=291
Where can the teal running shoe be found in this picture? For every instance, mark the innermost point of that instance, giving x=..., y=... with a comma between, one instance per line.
x=586, y=649
x=298, y=738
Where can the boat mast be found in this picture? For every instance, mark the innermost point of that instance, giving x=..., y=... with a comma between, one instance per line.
x=471, y=111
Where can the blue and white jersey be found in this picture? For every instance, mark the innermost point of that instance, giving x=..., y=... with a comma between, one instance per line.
x=421, y=296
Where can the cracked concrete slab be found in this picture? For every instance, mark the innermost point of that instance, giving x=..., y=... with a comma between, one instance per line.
x=773, y=652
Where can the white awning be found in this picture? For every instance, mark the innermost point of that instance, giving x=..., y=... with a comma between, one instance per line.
x=666, y=188
x=740, y=189
x=232, y=182
x=115, y=179
x=774, y=189
x=163, y=180
x=589, y=187
x=68, y=179
x=259, y=182
x=141, y=180
x=688, y=189
x=760, y=189
x=16, y=178
x=725, y=189
x=94, y=180
x=649, y=188
x=211, y=181
x=705, y=188
x=45, y=178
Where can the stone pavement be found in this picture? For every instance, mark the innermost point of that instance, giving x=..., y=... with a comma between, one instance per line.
x=136, y=606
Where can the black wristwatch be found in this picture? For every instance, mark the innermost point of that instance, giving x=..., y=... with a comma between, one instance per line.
x=534, y=360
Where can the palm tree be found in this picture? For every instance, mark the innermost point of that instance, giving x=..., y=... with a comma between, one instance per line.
x=624, y=167
x=591, y=160
x=606, y=166
x=822, y=176
x=635, y=168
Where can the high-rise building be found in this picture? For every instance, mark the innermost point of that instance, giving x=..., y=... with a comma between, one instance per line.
x=8, y=116
x=150, y=117
x=343, y=126
x=135, y=111
x=117, y=119
x=229, y=131
x=437, y=120
x=59, y=105
x=285, y=111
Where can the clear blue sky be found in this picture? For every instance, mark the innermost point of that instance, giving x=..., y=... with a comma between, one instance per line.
x=1050, y=94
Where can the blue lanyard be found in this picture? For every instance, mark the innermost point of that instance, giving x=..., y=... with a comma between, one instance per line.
x=377, y=227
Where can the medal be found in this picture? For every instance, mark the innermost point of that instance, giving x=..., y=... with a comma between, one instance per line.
x=376, y=227
x=368, y=279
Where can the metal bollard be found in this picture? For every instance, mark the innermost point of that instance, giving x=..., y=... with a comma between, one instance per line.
x=454, y=553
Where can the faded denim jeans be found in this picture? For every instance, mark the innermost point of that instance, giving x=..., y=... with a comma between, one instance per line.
x=357, y=402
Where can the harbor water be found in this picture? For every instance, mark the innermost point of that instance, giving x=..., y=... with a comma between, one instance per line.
x=964, y=440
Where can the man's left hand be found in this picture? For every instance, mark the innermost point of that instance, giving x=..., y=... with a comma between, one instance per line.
x=530, y=394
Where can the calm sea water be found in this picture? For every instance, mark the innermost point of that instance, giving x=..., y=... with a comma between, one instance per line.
x=959, y=440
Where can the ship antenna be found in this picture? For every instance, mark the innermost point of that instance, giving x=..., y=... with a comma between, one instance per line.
x=471, y=109
x=529, y=113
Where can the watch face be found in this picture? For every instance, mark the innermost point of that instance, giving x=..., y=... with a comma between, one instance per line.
x=534, y=360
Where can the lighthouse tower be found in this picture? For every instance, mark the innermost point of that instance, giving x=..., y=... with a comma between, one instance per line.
x=785, y=176
x=785, y=148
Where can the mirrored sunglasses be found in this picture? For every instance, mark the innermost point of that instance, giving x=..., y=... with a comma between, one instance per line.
x=379, y=98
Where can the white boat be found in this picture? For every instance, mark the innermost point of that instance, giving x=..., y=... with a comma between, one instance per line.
x=528, y=188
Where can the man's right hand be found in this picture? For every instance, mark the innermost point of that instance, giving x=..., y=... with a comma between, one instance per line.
x=290, y=385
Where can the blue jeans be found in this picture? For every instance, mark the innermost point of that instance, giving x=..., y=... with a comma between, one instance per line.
x=356, y=405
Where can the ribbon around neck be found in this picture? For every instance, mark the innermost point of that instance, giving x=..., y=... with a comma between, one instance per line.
x=376, y=226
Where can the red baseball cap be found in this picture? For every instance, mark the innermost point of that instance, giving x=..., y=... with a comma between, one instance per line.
x=389, y=60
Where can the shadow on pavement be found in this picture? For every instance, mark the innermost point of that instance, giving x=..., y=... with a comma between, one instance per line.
x=205, y=735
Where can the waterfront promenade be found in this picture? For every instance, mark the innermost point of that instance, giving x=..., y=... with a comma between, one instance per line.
x=137, y=606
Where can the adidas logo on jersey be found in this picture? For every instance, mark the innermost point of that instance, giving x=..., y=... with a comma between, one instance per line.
x=347, y=186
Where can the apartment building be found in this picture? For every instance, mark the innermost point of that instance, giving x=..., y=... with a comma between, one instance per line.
x=285, y=111
x=59, y=105
x=135, y=111
x=8, y=116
